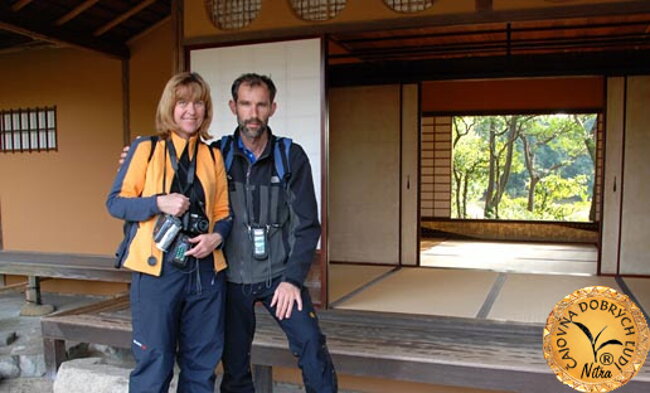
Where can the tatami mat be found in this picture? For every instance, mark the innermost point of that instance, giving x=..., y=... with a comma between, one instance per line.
x=457, y=293
x=512, y=257
x=531, y=297
x=640, y=287
x=343, y=279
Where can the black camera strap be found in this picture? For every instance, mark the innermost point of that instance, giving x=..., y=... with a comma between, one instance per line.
x=191, y=172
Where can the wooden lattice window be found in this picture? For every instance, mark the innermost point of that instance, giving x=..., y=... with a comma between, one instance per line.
x=408, y=6
x=435, y=167
x=317, y=9
x=27, y=130
x=232, y=14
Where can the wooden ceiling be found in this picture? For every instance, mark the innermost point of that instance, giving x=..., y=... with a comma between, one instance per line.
x=610, y=31
x=599, y=44
x=101, y=25
x=554, y=36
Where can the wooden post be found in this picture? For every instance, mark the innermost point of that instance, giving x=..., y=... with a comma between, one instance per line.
x=178, y=50
x=1, y=243
x=126, y=103
x=33, y=290
x=33, y=306
x=263, y=378
x=54, y=353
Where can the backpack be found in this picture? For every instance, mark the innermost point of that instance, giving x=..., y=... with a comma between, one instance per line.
x=280, y=156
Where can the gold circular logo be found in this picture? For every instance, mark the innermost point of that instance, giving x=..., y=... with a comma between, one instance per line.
x=595, y=339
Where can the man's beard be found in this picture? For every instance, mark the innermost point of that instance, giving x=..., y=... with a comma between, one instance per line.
x=252, y=133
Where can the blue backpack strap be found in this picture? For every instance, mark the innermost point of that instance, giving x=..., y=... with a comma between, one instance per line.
x=225, y=145
x=281, y=158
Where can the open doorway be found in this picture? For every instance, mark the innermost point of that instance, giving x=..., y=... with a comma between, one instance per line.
x=460, y=71
x=512, y=184
x=371, y=175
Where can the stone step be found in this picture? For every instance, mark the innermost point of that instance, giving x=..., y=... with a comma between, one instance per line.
x=75, y=376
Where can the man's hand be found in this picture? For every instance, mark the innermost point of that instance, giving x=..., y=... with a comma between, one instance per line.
x=125, y=151
x=204, y=244
x=174, y=204
x=284, y=297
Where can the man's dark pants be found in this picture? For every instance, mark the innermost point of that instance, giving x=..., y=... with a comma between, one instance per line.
x=306, y=341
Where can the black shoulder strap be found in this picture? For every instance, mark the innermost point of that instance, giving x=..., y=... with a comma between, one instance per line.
x=154, y=142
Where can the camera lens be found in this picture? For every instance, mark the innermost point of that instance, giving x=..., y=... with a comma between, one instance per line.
x=202, y=225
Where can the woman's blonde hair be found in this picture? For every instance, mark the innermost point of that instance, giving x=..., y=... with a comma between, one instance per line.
x=187, y=86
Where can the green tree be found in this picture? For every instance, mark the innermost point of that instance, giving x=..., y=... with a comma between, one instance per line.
x=560, y=139
x=502, y=132
x=467, y=164
x=588, y=125
x=555, y=153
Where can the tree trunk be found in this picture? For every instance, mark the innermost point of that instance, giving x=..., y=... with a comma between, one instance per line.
x=498, y=178
x=489, y=194
x=465, y=186
x=457, y=185
x=513, y=132
x=590, y=143
x=531, y=193
x=529, y=156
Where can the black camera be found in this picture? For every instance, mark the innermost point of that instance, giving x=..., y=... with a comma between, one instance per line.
x=197, y=224
x=194, y=224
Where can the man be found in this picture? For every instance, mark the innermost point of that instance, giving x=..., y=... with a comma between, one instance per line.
x=271, y=245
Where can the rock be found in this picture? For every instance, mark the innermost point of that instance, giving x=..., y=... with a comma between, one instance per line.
x=7, y=338
x=9, y=367
x=36, y=310
x=22, y=366
x=76, y=376
x=26, y=385
x=112, y=354
x=77, y=351
x=31, y=366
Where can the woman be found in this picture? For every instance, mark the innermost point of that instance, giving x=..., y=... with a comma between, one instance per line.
x=173, y=189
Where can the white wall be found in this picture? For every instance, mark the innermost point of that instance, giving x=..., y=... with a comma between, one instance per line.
x=612, y=188
x=634, y=246
x=294, y=66
x=364, y=174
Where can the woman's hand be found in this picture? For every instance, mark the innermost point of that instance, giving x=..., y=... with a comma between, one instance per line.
x=204, y=244
x=174, y=204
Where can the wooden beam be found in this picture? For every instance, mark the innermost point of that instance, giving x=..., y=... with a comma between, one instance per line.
x=18, y=287
x=40, y=29
x=75, y=11
x=20, y=4
x=31, y=45
x=469, y=18
x=123, y=17
x=69, y=266
x=585, y=63
x=178, y=53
